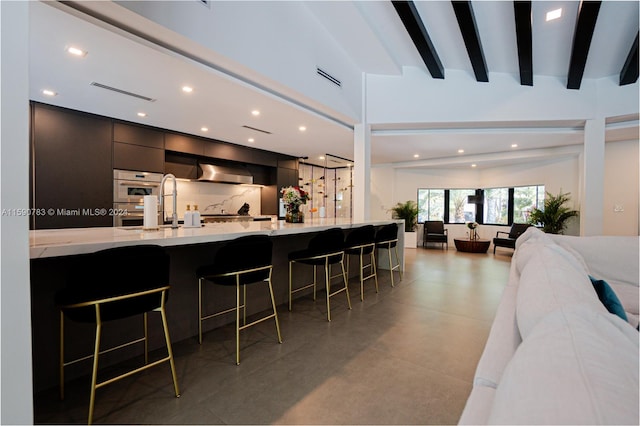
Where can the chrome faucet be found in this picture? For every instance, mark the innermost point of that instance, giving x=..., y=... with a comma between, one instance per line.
x=174, y=194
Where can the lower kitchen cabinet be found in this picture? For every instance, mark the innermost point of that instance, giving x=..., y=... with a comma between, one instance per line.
x=72, y=179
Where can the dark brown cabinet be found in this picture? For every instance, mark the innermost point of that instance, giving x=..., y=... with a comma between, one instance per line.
x=139, y=158
x=287, y=175
x=72, y=179
x=137, y=148
x=184, y=144
x=137, y=135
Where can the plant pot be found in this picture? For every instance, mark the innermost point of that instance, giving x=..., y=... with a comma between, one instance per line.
x=410, y=239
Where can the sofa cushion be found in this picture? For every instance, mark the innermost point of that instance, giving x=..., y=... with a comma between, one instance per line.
x=527, y=246
x=614, y=259
x=577, y=366
x=608, y=298
x=478, y=407
x=549, y=281
x=504, y=338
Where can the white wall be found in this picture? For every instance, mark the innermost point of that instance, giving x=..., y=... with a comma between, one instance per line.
x=390, y=186
x=17, y=388
x=621, y=188
x=415, y=97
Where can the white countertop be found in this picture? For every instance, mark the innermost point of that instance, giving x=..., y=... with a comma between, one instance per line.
x=67, y=242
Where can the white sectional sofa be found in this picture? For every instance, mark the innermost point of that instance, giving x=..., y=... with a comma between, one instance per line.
x=555, y=355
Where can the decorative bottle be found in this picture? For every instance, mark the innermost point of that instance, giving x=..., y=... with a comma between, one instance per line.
x=188, y=217
x=195, y=217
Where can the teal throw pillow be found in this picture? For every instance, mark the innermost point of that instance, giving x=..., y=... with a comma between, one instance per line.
x=608, y=297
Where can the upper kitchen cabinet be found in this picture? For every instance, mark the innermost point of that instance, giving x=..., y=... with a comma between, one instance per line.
x=227, y=151
x=184, y=144
x=138, y=148
x=138, y=135
x=72, y=177
x=241, y=154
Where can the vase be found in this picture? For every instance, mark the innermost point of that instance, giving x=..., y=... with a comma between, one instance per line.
x=294, y=216
x=473, y=234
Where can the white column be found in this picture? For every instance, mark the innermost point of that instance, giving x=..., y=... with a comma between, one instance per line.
x=17, y=388
x=592, y=190
x=361, y=172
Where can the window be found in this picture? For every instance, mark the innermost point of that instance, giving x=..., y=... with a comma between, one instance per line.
x=460, y=211
x=430, y=204
x=525, y=198
x=491, y=206
x=496, y=206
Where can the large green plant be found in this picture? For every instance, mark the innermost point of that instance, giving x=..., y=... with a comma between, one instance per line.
x=554, y=215
x=407, y=211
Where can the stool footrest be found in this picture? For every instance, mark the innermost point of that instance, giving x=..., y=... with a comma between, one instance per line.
x=257, y=321
x=132, y=372
x=115, y=348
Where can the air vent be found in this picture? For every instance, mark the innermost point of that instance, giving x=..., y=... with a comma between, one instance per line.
x=329, y=77
x=122, y=92
x=257, y=130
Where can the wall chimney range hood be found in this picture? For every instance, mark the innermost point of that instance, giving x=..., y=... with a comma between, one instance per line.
x=224, y=174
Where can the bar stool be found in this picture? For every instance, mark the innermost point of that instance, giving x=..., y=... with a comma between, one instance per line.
x=245, y=260
x=386, y=239
x=360, y=242
x=114, y=284
x=326, y=248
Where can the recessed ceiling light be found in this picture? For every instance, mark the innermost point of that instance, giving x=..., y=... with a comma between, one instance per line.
x=416, y=155
x=321, y=157
x=76, y=51
x=554, y=14
x=302, y=128
x=187, y=89
x=255, y=112
x=514, y=145
x=142, y=114
x=204, y=129
x=461, y=151
x=49, y=92
x=474, y=165
x=251, y=140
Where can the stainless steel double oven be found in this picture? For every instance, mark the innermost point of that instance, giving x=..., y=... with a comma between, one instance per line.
x=129, y=189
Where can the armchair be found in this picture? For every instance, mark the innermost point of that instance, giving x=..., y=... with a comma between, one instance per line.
x=509, y=241
x=434, y=232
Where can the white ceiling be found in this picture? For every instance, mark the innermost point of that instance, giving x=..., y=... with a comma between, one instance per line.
x=373, y=37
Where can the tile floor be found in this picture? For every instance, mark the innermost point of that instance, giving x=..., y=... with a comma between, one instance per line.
x=405, y=355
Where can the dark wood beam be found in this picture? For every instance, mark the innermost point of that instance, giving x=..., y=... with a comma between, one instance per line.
x=585, y=24
x=629, y=73
x=522, y=13
x=413, y=24
x=469, y=30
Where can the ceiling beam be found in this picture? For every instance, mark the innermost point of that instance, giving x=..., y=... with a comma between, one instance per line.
x=469, y=30
x=585, y=24
x=413, y=24
x=522, y=14
x=629, y=72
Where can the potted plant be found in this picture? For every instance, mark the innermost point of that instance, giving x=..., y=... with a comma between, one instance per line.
x=409, y=212
x=554, y=214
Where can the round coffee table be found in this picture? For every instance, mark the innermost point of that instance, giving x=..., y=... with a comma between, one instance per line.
x=472, y=246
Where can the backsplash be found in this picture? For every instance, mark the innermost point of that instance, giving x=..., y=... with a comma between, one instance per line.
x=215, y=197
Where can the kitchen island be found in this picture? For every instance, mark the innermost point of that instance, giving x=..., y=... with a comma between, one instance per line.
x=54, y=252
